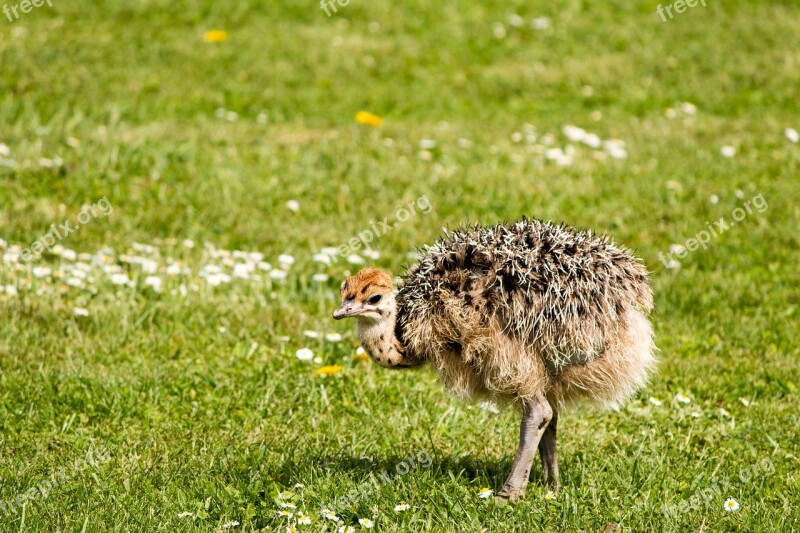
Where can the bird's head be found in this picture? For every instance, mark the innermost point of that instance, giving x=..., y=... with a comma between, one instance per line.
x=367, y=296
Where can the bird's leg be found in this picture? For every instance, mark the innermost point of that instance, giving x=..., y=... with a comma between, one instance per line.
x=547, y=449
x=536, y=415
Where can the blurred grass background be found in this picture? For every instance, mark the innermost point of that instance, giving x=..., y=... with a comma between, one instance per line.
x=200, y=400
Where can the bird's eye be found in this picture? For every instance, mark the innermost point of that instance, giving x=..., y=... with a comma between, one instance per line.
x=375, y=298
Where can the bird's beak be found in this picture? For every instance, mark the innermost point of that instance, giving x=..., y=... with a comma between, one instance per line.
x=347, y=309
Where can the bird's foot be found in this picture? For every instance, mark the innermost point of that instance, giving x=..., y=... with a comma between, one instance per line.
x=510, y=493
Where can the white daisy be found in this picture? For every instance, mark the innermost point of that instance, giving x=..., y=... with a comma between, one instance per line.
x=724, y=413
x=321, y=258
x=401, y=507
x=333, y=337
x=304, y=519
x=731, y=505
x=655, y=401
x=41, y=272
x=229, y=525
x=369, y=253
x=682, y=398
x=299, y=486
x=540, y=23
x=119, y=279
x=550, y=496
x=293, y=205
x=304, y=354
x=346, y=529
x=485, y=493
x=287, y=505
x=311, y=334
x=285, y=259
x=792, y=135
x=727, y=151
x=355, y=259
x=188, y=243
x=320, y=277
x=327, y=514
x=5, y=151
x=154, y=282
x=366, y=522
x=185, y=515
x=713, y=199
x=745, y=402
x=278, y=274
x=74, y=282
x=80, y=311
x=427, y=144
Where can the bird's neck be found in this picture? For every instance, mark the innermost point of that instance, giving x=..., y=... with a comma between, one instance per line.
x=380, y=342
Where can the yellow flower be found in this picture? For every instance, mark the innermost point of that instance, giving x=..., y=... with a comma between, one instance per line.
x=215, y=36
x=368, y=119
x=329, y=370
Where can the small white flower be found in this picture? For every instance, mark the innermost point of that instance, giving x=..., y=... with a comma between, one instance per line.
x=5, y=151
x=713, y=199
x=266, y=267
x=304, y=354
x=74, y=282
x=696, y=415
x=485, y=493
x=682, y=398
x=285, y=259
x=80, y=311
x=69, y=255
x=427, y=144
x=792, y=135
x=229, y=525
x=731, y=505
x=287, y=505
x=689, y=109
x=540, y=23
x=672, y=264
x=724, y=413
x=299, y=486
x=154, y=282
x=727, y=151
x=41, y=272
x=371, y=254
x=311, y=334
x=188, y=243
x=278, y=274
x=745, y=402
x=550, y=496
x=574, y=133
x=515, y=20
x=346, y=529
x=322, y=258
x=655, y=401
x=119, y=279
x=293, y=205
x=304, y=519
x=333, y=337
x=242, y=270
x=320, y=277
x=355, y=259
x=592, y=141
x=676, y=248
x=185, y=515
x=366, y=522
x=327, y=514
x=11, y=290
x=401, y=507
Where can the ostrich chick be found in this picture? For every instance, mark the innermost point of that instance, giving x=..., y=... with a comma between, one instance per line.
x=533, y=313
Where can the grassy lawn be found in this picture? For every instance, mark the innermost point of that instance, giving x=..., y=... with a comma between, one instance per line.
x=149, y=358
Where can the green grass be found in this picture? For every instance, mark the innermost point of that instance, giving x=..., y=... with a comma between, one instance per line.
x=199, y=399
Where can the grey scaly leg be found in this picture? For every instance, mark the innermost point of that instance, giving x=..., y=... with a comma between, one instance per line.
x=547, y=449
x=536, y=415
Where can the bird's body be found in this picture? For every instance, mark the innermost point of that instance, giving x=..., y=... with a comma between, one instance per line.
x=533, y=312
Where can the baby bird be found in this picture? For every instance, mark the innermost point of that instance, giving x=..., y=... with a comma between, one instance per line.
x=531, y=312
